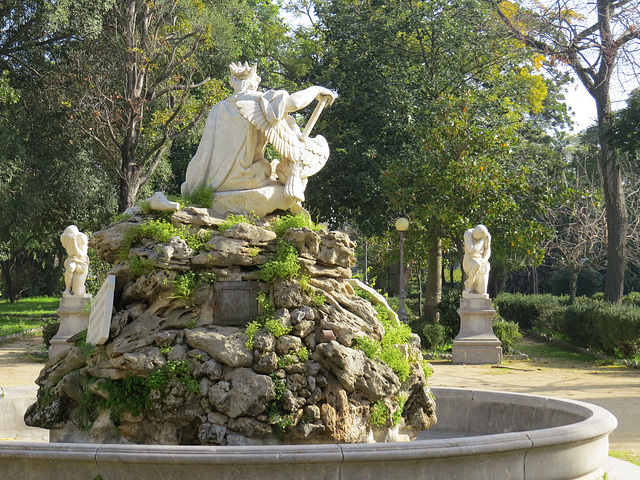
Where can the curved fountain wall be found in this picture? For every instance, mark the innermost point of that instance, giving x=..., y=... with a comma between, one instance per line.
x=479, y=435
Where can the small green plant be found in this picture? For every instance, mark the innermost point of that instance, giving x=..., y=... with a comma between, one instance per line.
x=165, y=349
x=254, y=252
x=86, y=348
x=303, y=354
x=161, y=231
x=284, y=223
x=266, y=307
x=318, y=299
x=378, y=413
x=192, y=323
x=202, y=196
x=186, y=283
x=279, y=386
x=286, y=360
x=233, y=220
x=285, y=266
x=399, y=400
x=173, y=369
x=140, y=266
x=250, y=332
x=276, y=328
x=370, y=347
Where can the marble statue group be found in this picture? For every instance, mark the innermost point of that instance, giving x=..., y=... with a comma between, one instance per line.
x=230, y=156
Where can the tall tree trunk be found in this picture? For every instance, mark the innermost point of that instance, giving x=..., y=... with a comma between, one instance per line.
x=573, y=284
x=434, y=281
x=616, y=209
x=9, y=291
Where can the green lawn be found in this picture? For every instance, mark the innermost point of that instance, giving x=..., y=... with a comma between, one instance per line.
x=33, y=306
x=25, y=315
x=556, y=353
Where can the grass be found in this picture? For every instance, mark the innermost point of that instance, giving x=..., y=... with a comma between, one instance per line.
x=630, y=457
x=26, y=314
x=32, y=306
x=557, y=354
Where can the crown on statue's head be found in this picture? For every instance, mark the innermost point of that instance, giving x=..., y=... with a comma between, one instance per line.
x=242, y=72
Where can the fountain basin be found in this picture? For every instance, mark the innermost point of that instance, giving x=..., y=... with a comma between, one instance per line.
x=480, y=434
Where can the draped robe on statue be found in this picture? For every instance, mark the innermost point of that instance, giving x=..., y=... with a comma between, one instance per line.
x=231, y=152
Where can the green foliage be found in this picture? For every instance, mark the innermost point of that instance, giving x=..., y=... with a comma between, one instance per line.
x=279, y=386
x=265, y=306
x=371, y=348
x=303, y=354
x=433, y=337
x=162, y=231
x=173, y=369
x=378, y=413
x=318, y=299
x=202, y=196
x=300, y=220
x=49, y=329
x=140, y=266
x=509, y=335
x=286, y=360
x=186, y=283
x=285, y=266
x=399, y=400
x=600, y=326
x=633, y=298
x=250, y=332
x=265, y=320
x=276, y=328
x=388, y=350
x=233, y=220
x=604, y=327
x=530, y=311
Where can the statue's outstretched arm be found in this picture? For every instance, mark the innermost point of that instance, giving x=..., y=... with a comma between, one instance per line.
x=301, y=99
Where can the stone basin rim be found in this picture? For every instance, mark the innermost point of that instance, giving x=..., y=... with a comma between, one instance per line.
x=597, y=423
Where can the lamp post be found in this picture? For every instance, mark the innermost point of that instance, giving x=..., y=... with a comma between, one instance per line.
x=402, y=224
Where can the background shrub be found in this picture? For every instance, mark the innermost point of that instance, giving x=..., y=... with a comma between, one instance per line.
x=50, y=327
x=529, y=311
x=509, y=335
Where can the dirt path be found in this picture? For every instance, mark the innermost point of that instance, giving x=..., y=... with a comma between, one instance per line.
x=18, y=365
x=615, y=388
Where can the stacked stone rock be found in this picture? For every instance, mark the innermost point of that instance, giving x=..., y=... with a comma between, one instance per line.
x=244, y=396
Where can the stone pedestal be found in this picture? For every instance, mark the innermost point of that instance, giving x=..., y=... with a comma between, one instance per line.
x=476, y=343
x=74, y=317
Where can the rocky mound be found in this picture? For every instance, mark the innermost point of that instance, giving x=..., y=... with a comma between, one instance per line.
x=227, y=333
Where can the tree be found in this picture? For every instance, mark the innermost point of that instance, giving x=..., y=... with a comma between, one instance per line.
x=428, y=92
x=131, y=89
x=592, y=39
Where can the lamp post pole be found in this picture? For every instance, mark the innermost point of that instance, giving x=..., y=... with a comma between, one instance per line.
x=401, y=225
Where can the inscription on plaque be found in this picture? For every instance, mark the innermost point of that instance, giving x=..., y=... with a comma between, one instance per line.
x=235, y=303
x=100, y=317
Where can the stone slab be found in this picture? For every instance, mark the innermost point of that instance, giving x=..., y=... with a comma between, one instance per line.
x=235, y=303
x=101, y=311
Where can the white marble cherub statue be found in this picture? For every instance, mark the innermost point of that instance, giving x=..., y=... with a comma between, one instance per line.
x=477, y=250
x=77, y=263
x=230, y=156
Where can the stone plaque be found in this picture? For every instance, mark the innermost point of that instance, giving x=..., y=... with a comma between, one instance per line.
x=235, y=303
x=101, y=310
